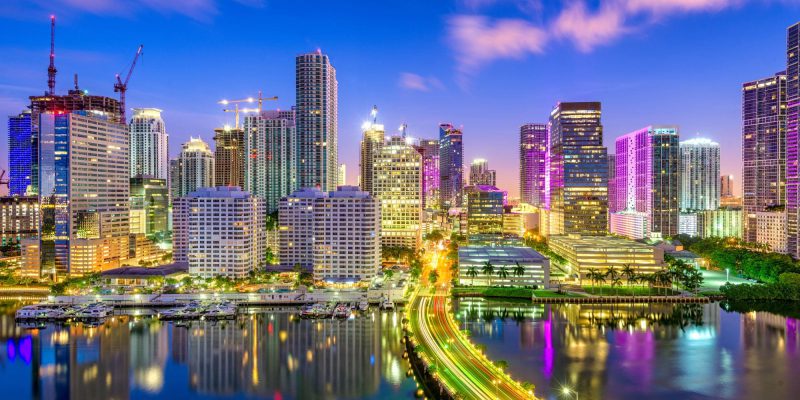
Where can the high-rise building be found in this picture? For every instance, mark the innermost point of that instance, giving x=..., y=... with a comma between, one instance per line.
x=317, y=121
x=699, y=172
x=372, y=140
x=612, y=184
x=270, y=148
x=429, y=149
x=342, y=174
x=484, y=205
x=726, y=186
x=451, y=166
x=194, y=168
x=480, y=174
x=220, y=232
x=19, y=219
x=770, y=229
x=19, y=153
x=398, y=185
x=149, y=202
x=646, y=180
x=722, y=223
x=84, y=200
x=334, y=234
x=578, y=170
x=229, y=157
x=532, y=167
x=793, y=139
x=149, y=144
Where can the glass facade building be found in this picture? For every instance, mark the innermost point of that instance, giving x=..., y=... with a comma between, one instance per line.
x=19, y=153
x=451, y=166
x=270, y=156
x=317, y=122
x=793, y=138
x=532, y=166
x=699, y=172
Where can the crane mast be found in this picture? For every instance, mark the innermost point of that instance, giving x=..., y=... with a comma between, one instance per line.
x=122, y=87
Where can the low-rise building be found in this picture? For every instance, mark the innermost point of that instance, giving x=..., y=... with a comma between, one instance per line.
x=771, y=230
x=585, y=253
x=19, y=218
x=137, y=277
x=472, y=259
x=722, y=222
x=687, y=224
x=631, y=224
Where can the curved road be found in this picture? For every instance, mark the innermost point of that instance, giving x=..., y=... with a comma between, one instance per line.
x=459, y=365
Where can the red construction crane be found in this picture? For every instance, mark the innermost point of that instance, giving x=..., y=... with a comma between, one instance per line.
x=121, y=86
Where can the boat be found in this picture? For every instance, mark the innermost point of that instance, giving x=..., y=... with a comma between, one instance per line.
x=387, y=305
x=341, y=311
x=363, y=305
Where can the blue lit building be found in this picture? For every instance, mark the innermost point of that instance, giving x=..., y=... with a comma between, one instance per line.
x=19, y=153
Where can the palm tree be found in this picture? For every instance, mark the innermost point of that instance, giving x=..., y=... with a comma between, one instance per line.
x=630, y=274
x=519, y=270
x=472, y=272
x=612, y=275
x=488, y=270
x=616, y=280
x=503, y=272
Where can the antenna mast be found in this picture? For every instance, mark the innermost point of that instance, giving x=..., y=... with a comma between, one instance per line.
x=51, y=70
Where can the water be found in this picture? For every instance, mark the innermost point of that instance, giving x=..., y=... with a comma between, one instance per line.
x=269, y=354
x=639, y=351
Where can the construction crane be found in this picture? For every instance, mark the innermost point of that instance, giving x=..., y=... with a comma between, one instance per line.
x=51, y=70
x=236, y=110
x=3, y=181
x=122, y=87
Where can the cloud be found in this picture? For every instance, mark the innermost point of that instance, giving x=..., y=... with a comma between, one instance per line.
x=199, y=10
x=588, y=30
x=419, y=83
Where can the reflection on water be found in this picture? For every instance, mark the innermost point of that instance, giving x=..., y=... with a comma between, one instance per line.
x=639, y=351
x=268, y=354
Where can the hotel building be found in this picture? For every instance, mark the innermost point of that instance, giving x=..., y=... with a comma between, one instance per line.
x=398, y=185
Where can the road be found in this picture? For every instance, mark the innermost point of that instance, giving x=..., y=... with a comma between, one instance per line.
x=459, y=364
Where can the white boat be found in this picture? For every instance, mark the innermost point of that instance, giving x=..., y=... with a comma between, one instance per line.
x=363, y=305
x=387, y=305
x=341, y=311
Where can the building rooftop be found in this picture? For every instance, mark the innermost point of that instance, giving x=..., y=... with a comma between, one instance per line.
x=220, y=191
x=499, y=254
x=598, y=242
x=143, y=272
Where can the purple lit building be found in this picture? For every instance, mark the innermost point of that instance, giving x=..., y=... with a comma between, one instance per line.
x=451, y=167
x=792, y=137
x=532, y=166
x=429, y=149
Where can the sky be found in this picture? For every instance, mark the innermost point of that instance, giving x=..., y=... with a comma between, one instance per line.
x=488, y=66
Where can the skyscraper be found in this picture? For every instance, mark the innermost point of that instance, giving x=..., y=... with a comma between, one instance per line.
x=578, y=170
x=612, y=184
x=726, y=186
x=484, y=204
x=793, y=139
x=398, y=185
x=699, y=172
x=19, y=153
x=451, y=166
x=532, y=166
x=429, y=149
x=317, y=121
x=149, y=204
x=149, y=144
x=194, y=168
x=372, y=140
x=270, y=149
x=480, y=174
x=646, y=180
x=229, y=157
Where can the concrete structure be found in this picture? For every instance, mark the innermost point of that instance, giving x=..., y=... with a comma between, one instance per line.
x=19, y=219
x=535, y=267
x=19, y=153
x=429, y=149
x=484, y=206
x=137, y=277
x=271, y=156
x=601, y=252
x=723, y=222
x=149, y=144
x=771, y=230
x=532, y=166
x=194, y=168
x=514, y=223
x=687, y=224
x=451, y=166
x=372, y=140
x=296, y=228
x=793, y=139
x=219, y=232
x=398, y=185
x=646, y=180
x=726, y=186
x=229, y=157
x=612, y=185
x=317, y=121
x=149, y=202
x=480, y=174
x=578, y=170
x=631, y=224
x=699, y=172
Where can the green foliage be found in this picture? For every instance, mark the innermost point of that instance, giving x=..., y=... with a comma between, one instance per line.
x=433, y=276
x=746, y=259
x=761, y=292
x=434, y=236
x=789, y=278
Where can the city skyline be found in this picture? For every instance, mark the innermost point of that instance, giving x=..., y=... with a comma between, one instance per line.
x=412, y=91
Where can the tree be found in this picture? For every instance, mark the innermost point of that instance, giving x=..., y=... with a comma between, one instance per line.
x=433, y=276
x=488, y=270
x=472, y=272
x=388, y=274
x=612, y=275
x=503, y=272
x=630, y=275
x=519, y=270
x=434, y=236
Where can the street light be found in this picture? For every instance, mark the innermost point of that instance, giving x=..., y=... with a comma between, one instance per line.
x=567, y=392
x=727, y=274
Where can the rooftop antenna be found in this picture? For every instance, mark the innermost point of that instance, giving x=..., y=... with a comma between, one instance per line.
x=51, y=70
x=374, y=114
x=403, y=128
x=76, y=82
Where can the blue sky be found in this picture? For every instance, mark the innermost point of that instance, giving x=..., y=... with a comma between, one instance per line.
x=486, y=65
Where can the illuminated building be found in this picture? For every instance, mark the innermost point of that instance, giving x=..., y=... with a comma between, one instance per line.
x=229, y=157
x=484, y=205
x=687, y=224
x=513, y=223
x=149, y=201
x=726, y=185
x=342, y=174
x=429, y=149
x=646, y=180
x=372, y=141
x=722, y=222
x=19, y=218
x=296, y=228
x=585, y=253
x=480, y=174
x=771, y=230
x=19, y=153
x=219, y=232
x=398, y=185
x=317, y=126
x=451, y=166
x=84, y=221
x=149, y=144
x=271, y=156
x=193, y=169
x=793, y=139
x=612, y=185
x=699, y=172
x=578, y=170
x=532, y=166
x=535, y=267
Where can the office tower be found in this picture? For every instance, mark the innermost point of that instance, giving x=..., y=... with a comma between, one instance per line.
x=646, y=182
x=334, y=234
x=19, y=219
x=149, y=144
x=612, y=183
x=173, y=182
x=480, y=174
x=451, y=166
x=578, y=170
x=270, y=148
x=484, y=204
x=699, y=172
x=532, y=166
x=219, y=232
x=19, y=153
x=342, y=174
x=429, y=149
x=793, y=139
x=726, y=186
x=149, y=202
x=372, y=140
x=229, y=157
x=194, y=168
x=84, y=197
x=317, y=121
x=398, y=185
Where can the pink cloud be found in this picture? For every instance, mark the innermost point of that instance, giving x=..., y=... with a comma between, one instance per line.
x=588, y=30
x=671, y=6
x=419, y=83
x=201, y=10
